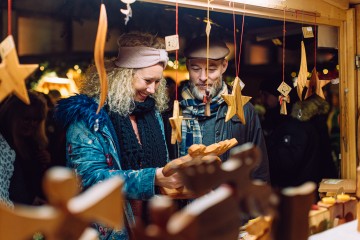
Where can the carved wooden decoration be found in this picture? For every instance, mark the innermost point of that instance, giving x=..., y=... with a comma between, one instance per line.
x=199, y=153
x=12, y=73
x=201, y=178
x=175, y=122
x=294, y=206
x=99, y=56
x=194, y=222
x=315, y=85
x=68, y=215
x=283, y=101
x=303, y=72
x=235, y=102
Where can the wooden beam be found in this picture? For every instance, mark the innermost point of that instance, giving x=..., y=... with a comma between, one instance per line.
x=357, y=17
x=348, y=93
x=325, y=13
x=342, y=4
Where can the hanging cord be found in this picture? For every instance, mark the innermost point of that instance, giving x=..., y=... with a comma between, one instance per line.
x=237, y=62
x=241, y=41
x=207, y=45
x=283, y=50
x=315, y=43
x=9, y=17
x=177, y=51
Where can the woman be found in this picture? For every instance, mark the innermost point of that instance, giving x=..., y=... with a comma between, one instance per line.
x=127, y=137
x=23, y=129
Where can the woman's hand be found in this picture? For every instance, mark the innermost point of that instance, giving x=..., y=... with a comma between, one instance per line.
x=173, y=181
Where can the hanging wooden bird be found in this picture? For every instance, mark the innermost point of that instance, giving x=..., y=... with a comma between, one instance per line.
x=175, y=122
x=99, y=55
x=315, y=85
x=70, y=213
x=12, y=73
x=235, y=102
x=303, y=72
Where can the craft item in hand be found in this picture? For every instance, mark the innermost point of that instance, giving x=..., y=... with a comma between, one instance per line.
x=201, y=178
x=12, y=73
x=315, y=85
x=235, y=102
x=303, y=72
x=283, y=101
x=175, y=122
x=99, y=56
x=68, y=215
x=195, y=221
x=196, y=153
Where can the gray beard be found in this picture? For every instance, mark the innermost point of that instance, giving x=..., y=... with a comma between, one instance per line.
x=214, y=90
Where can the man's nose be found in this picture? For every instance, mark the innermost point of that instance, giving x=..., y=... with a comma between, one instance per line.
x=151, y=88
x=203, y=75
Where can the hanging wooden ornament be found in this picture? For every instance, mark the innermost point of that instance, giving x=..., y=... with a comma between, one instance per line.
x=315, y=85
x=235, y=102
x=172, y=44
x=99, y=56
x=175, y=122
x=12, y=73
x=303, y=72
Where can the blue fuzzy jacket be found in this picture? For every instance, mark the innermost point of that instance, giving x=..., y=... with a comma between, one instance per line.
x=92, y=153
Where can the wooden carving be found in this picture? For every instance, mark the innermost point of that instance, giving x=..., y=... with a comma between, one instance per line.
x=12, y=73
x=67, y=216
x=196, y=221
x=197, y=153
x=235, y=102
x=99, y=55
x=175, y=122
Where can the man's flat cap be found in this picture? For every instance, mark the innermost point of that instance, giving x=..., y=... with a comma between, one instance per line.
x=196, y=48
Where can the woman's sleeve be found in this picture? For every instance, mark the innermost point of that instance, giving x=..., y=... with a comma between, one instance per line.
x=87, y=156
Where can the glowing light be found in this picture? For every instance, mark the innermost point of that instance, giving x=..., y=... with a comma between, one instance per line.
x=293, y=74
x=76, y=67
x=78, y=71
x=337, y=67
x=261, y=3
x=171, y=63
x=42, y=68
x=325, y=71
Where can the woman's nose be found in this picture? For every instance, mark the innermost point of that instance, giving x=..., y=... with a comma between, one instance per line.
x=151, y=88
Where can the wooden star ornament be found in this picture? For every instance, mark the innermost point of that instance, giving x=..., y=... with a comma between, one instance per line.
x=175, y=122
x=12, y=73
x=235, y=102
x=315, y=85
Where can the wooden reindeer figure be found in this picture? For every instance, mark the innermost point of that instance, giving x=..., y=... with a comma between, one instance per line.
x=69, y=214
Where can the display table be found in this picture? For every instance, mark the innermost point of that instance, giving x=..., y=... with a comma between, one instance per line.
x=346, y=231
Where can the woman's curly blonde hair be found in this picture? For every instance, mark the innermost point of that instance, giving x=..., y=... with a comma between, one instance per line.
x=121, y=94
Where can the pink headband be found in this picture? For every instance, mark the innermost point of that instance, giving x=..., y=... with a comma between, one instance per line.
x=140, y=57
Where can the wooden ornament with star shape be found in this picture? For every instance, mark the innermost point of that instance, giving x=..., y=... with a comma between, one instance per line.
x=12, y=73
x=235, y=102
x=175, y=122
x=315, y=85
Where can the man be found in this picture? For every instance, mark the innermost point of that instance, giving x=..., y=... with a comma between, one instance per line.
x=198, y=128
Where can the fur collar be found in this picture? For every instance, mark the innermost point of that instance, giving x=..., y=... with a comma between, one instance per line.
x=307, y=109
x=79, y=108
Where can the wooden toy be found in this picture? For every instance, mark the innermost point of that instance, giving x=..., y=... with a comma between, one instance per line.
x=197, y=153
x=67, y=216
